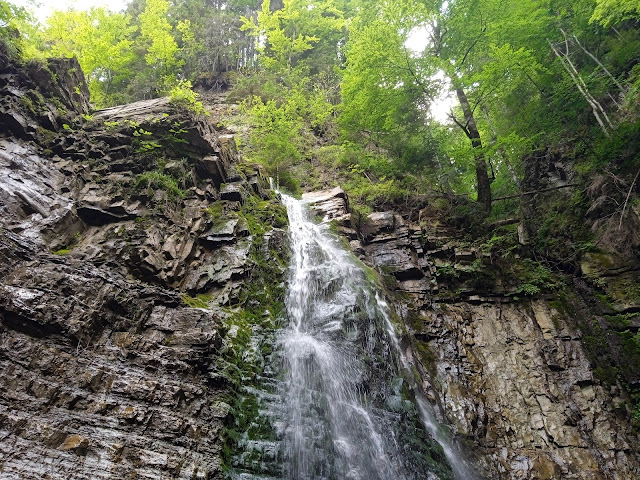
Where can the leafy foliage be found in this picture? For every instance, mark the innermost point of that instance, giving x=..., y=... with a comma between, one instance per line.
x=161, y=181
x=337, y=86
x=13, y=21
x=608, y=12
x=183, y=95
x=101, y=41
x=276, y=138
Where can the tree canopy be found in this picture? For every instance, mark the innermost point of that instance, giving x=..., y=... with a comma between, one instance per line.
x=342, y=81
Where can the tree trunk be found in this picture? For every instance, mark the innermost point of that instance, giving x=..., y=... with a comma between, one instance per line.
x=471, y=130
x=503, y=154
x=600, y=64
x=598, y=111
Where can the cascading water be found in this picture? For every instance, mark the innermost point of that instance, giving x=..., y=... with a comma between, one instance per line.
x=350, y=410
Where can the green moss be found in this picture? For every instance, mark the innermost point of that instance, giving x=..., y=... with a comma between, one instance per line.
x=45, y=137
x=62, y=251
x=623, y=289
x=630, y=341
x=560, y=230
x=635, y=413
x=563, y=305
x=372, y=275
x=533, y=278
x=262, y=215
x=251, y=325
x=607, y=367
x=622, y=321
x=221, y=212
x=199, y=301
x=607, y=374
x=27, y=103
x=427, y=356
x=215, y=210
x=604, y=299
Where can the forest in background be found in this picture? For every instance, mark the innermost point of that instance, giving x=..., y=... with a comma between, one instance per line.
x=336, y=91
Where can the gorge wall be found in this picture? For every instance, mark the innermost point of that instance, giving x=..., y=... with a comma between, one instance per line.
x=528, y=382
x=141, y=270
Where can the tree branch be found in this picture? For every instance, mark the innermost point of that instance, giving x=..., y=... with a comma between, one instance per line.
x=464, y=128
x=595, y=59
x=533, y=192
x=473, y=44
x=626, y=200
x=416, y=79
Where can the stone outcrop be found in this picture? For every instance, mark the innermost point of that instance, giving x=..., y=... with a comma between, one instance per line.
x=40, y=95
x=136, y=293
x=512, y=376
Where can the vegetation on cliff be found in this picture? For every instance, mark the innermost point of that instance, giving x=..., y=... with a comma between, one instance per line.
x=357, y=88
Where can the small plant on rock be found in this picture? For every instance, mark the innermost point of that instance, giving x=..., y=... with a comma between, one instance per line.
x=159, y=180
x=182, y=95
x=199, y=301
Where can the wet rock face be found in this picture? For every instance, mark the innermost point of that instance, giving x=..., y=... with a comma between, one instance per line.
x=512, y=377
x=41, y=95
x=103, y=377
x=123, y=274
x=515, y=379
x=331, y=204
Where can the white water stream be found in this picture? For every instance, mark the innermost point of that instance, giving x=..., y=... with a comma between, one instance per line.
x=350, y=412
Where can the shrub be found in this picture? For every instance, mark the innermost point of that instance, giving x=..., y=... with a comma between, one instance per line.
x=159, y=180
x=182, y=95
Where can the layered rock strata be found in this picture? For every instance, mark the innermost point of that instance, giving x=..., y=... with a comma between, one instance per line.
x=512, y=376
x=141, y=265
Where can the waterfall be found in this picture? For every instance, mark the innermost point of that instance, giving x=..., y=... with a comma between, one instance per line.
x=350, y=409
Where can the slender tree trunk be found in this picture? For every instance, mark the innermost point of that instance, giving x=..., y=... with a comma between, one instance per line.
x=598, y=111
x=600, y=64
x=501, y=151
x=471, y=130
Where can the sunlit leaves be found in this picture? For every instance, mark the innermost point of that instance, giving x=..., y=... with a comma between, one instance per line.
x=99, y=39
x=610, y=12
x=19, y=29
x=383, y=85
x=155, y=28
x=300, y=35
x=275, y=140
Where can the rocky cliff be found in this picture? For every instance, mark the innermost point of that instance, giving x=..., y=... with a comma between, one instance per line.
x=142, y=266
x=533, y=372
x=141, y=270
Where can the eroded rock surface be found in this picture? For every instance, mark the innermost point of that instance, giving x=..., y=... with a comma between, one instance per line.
x=135, y=297
x=511, y=376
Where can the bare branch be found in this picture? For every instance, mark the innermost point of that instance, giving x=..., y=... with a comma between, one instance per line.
x=464, y=128
x=581, y=86
x=533, y=192
x=626, y=200
x=473, y=44
x=595, y=59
